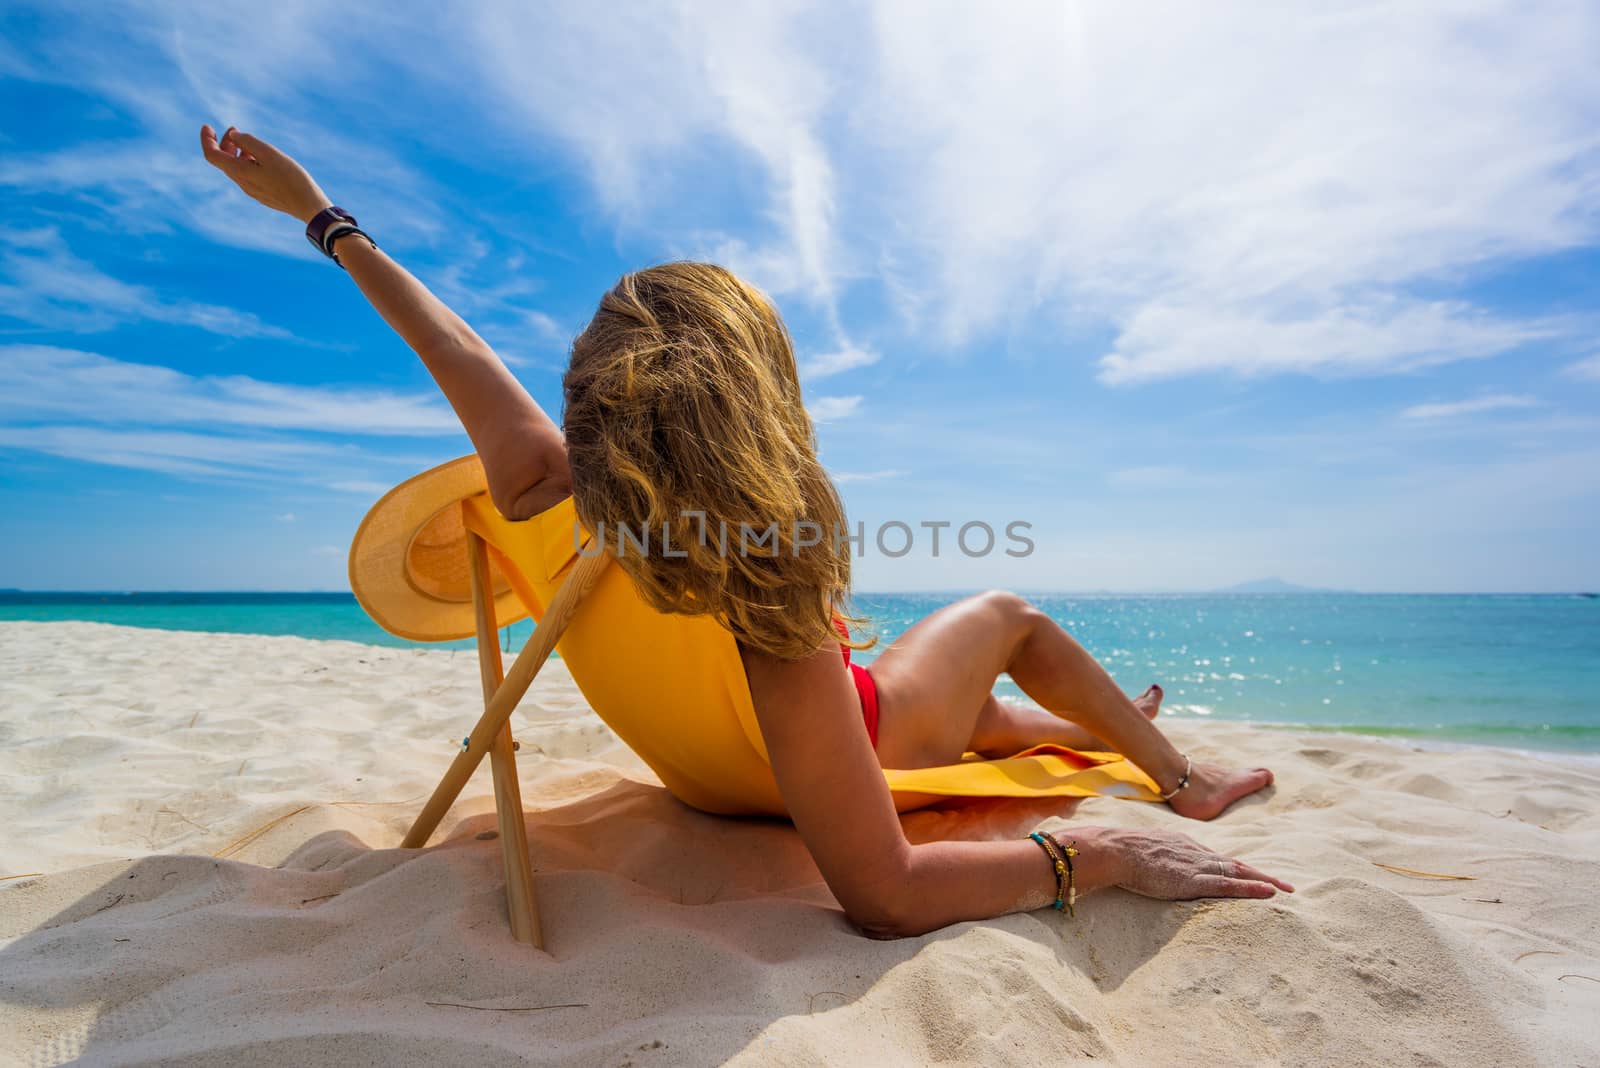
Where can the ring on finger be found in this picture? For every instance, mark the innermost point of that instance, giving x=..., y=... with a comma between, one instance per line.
x=1222, y=868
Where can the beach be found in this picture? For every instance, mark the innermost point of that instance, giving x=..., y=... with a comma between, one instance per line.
x=200, y=866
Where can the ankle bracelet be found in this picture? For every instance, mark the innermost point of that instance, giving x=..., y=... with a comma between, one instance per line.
x=1188, y=766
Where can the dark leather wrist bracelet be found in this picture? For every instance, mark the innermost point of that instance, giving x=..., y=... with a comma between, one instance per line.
x=322, y=222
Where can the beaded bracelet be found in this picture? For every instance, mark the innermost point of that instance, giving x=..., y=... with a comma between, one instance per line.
x=1061, y=861
x=1068, y=851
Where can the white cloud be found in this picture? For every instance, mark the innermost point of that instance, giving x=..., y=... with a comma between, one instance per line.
x=51, y=287
x=832, y=409
x=286, y=517
x=162, y=68
x=361, y=488
x=1152, y=477
x=175, y=452
x=1587, y=369
x=1227, y=187
x=1491, y=403
x=41, y=381
x=847, y=357
x=631, y=88
x=845, y=477
x=1223, y=188
x=1164, y=339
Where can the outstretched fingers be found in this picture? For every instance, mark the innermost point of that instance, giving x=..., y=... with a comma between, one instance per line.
x=1235, y=878
x=1241, y=870
x=233, y=144
x=216, y=155
x=232, y=149
x=1222, y=886
x=252, y=146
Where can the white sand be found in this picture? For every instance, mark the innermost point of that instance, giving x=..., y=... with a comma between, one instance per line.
x=133, y=761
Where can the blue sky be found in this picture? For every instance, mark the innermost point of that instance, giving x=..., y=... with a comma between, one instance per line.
x=1204, y=293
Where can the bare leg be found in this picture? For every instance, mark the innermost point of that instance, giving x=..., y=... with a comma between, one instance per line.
x=934, y=685
x=1004, y=728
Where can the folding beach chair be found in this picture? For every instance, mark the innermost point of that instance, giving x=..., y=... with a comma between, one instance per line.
x=469, y=577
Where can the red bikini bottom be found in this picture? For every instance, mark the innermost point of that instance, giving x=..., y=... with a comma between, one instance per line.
x=866, y=689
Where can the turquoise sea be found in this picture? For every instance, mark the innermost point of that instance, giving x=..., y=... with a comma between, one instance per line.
x=1494, y=669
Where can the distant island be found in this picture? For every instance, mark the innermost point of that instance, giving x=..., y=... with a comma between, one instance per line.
x=1273, y=585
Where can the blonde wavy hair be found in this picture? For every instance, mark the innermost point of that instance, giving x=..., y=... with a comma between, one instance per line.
x=683, y=400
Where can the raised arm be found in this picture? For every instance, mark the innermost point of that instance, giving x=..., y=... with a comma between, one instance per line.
x=524, y=457
x=835, y=792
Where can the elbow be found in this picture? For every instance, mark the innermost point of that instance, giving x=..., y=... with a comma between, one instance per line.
x=884, y=931
x=886, y=902
x=887, y=917
x=879, y=924
x=514, y=505
x=528, y=502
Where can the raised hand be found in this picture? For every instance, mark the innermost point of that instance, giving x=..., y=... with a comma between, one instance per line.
x=1174, y=867
x=264, y=173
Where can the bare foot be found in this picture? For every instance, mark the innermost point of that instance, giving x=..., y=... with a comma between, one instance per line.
x=1149, y=702
x=1212, y=788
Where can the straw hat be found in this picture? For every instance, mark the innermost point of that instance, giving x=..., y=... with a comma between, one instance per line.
x=408, y=560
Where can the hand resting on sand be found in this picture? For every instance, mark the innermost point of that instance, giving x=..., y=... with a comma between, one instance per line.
x=1174, y=867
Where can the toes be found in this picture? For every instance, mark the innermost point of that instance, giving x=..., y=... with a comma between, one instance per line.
x=1260, y=780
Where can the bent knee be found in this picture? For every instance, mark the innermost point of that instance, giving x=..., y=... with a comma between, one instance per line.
x=1007, y=606
x=1008, y=614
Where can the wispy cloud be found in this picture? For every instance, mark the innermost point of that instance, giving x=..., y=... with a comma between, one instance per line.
x=172, y=192
x=1452, y=409
x=360, y=488
x=846, y=358
x=1164, y=339
x=1586, y=369
x=1154, y=477
x=217, y=456
x=38, y=381
x=629, y=89
x=175, y=452
x=92, y=408
x=1095, y=187
x=48, y=286
x=493, y=291
x=846, y=477
x=831, y=409
x=1291, y=237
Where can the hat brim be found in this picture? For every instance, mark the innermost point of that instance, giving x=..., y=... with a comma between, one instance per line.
x=408, y=560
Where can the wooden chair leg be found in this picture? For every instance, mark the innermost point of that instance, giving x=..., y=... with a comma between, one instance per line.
x=541, y=643
x=520, y=901
x=521, y=904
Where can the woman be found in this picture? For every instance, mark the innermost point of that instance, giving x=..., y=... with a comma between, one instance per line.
x=683, y=390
